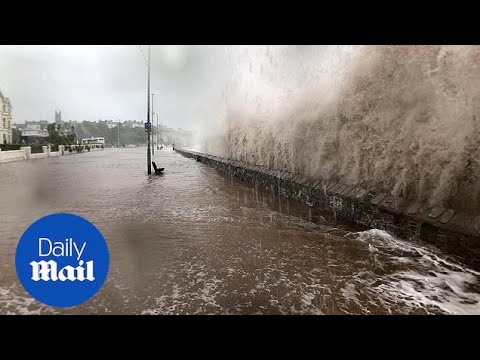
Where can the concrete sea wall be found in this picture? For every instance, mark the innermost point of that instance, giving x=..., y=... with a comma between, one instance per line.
x=455, y=233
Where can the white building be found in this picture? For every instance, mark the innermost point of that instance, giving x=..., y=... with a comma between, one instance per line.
x=34, y=136
x=111, y=124
x=5, y=120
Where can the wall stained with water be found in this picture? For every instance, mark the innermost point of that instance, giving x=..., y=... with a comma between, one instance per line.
x=454, y=232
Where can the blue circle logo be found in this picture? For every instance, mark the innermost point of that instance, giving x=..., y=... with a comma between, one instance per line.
x=62, y=260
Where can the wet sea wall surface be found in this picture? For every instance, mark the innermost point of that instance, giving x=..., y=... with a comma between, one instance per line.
x=455, y=233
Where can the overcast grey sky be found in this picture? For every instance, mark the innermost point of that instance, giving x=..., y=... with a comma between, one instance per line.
x=194, y=85
x=109, y=82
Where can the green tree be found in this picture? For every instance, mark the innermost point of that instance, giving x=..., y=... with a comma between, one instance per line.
x=55, y=138
x=16, y=136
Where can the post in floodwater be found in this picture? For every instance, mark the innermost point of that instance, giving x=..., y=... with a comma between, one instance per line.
x=153, y=142
x=149, y=155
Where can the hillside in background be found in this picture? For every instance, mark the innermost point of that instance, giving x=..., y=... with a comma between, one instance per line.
x=127, y=134
x=130, y=135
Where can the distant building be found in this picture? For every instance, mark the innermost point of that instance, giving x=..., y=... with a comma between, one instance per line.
x=112, y=124
x=5, y=120
x=132, y=124
x=33, y=132
x=34, y=136
x=32, y=125
x=137, y=124
x=58, y=117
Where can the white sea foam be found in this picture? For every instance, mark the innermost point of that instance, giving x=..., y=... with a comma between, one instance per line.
x=13, y=303
x=420, y=277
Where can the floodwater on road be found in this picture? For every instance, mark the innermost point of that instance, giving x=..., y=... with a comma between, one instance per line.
x=193, y=241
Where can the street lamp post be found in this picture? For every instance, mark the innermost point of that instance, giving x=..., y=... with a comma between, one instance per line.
x=153, y=143
x=158, y=129
x=149, y=158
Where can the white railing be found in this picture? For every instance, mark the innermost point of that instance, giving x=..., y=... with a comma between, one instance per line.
x=12, y=155
x=25, y=153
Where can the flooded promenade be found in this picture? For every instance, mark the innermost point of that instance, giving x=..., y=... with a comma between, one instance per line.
x=195, y=242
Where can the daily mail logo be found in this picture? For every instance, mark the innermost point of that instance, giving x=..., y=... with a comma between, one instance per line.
x=49, y=270
x=62, y=260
